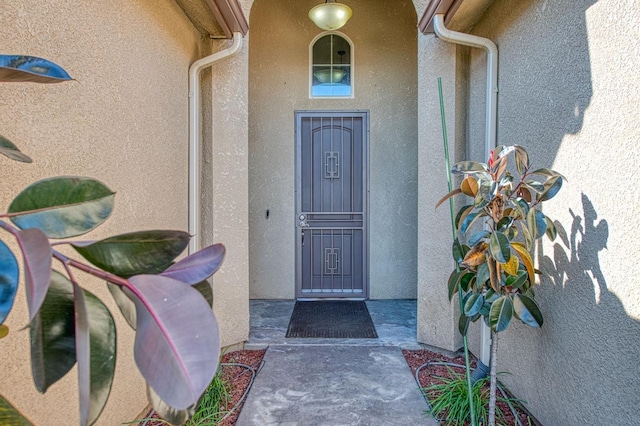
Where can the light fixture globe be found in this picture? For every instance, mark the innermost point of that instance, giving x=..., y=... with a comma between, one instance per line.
x=330, y=15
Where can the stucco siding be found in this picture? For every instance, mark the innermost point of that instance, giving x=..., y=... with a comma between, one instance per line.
x=569, y=92
x=124, y=121
x=386, y=85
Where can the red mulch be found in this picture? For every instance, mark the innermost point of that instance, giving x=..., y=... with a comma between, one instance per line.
x=238, y=379
x=429, y=376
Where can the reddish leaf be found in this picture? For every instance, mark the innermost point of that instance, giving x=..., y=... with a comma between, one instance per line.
x=37, y=254
x=177, y=344
x=198, y=266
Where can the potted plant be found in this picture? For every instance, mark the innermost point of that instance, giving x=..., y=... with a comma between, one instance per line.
x=495, y=268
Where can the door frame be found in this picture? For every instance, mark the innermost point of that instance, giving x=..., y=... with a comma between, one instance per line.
x=298, y=115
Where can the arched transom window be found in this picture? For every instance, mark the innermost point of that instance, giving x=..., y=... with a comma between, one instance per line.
x=331, y=70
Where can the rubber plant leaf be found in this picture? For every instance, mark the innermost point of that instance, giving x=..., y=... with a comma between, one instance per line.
x=20, y=68
x=527, y=310
x=136, y=253
x=536, y=223
x=475, y=256
x=522, y=159
x=168, y=414
x=469, y=186
x=457, y=251
x=500, y=314
x=517, y=281
x=125, y=304
x=482, y=276
x=511, y=266
x=177, y=344
x=478, y=236
x=9, y=278
x=473, y=304
x=37, y=254
x=198, y=266
x=463, y=214
x=95, y=351
x=52, y=333
x=62, y=207
x=10, y=416
x=551, y=188
x=526, y=259
x=206, y=290
x=468, y=167
x=452, y=283
x=9, y=150
x=449, y=195
x=535, y=186
x=548, y=172
x=499, y=247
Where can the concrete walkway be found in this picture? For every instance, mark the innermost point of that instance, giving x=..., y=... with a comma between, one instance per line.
x=334, y=381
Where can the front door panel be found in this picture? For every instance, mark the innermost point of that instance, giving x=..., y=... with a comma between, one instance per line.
x=331, y=198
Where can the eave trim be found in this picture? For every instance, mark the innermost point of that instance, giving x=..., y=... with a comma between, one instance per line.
x=229, y=15
x=441, y=7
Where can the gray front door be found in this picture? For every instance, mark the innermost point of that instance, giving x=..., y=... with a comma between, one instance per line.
x=331, y=204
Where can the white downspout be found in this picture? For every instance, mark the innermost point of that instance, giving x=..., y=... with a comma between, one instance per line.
x=194, y=135
x=490, y=124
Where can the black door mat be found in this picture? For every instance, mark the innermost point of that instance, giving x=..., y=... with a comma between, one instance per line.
x=338, y=319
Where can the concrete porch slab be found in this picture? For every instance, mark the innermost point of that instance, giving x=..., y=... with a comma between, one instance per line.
x=334, y=385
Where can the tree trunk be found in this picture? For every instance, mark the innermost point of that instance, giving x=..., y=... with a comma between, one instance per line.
x=494, y=378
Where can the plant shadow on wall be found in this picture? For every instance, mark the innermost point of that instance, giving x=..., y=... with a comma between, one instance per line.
x=167, y=302
x=580, y=290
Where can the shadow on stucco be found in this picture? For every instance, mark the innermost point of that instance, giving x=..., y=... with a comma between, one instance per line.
x=605, y=337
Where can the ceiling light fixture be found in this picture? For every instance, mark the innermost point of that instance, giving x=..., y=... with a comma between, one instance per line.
x=330, y=15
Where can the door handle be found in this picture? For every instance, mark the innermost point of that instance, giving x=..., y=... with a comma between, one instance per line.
x=302, y=236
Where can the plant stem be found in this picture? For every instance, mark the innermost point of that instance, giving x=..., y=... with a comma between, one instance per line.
x=494, y=378
x=453, y=231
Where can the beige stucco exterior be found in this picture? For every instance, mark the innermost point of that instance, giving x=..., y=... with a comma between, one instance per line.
x=568, y=92
x=124, y=121
x=385, y=85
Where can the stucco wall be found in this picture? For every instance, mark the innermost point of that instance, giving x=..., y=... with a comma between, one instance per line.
x=123, y=121
x=569, y=92
x=225, y=187
x=384, y=36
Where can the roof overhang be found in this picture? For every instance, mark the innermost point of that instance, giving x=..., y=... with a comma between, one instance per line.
x=215, y=18
x=459, y=15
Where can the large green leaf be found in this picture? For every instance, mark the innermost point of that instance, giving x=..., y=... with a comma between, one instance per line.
x=462, y=216
x=95, y=352
x=536, y=223
x=499, y=247
x=125, y=304
x=21, y=68
x=527, y=310
x=206, y=290
x=522, y=159
x=457, y=251
x=10, y=416
x=62, y=207
x=144, y=252
x=551, y=188
x=52, y=332
x=8, y=149
x=464, y=322
x=473, y=304
x=37, y=254
x=9, y=278
x=483, y=274
x=516, y=281
x=177, y=344
x=452, y=283
x=477, y=237
x=500, y=314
